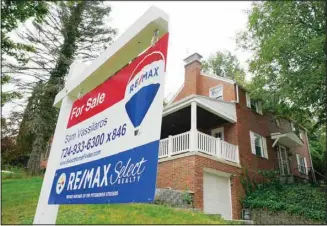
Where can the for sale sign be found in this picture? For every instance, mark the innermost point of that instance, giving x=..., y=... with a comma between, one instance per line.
x=110, y=150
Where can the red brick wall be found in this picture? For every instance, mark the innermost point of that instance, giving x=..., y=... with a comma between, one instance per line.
x=177, y=174
x=264, y=125
x=188, y=172
x=247, y=120
x=206, y=83
x=303, y=151
x=196, y=83
x=191, y=81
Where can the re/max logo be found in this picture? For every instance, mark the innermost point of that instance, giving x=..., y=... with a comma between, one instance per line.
x=147, y=75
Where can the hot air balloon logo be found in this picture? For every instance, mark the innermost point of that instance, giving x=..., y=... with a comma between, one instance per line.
x=61, y=183
x=142, y=88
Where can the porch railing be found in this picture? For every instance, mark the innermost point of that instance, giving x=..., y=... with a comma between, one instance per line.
x=198, y=141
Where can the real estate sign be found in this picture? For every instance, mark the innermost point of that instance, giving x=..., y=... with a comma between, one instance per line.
x=110, y=150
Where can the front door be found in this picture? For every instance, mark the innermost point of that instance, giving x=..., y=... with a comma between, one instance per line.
x=283, y=160
x=218, y=133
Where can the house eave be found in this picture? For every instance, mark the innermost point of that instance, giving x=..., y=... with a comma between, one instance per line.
x=227, y=110
x=287, y=139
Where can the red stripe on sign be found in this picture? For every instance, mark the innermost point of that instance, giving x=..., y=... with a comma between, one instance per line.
x=146, y=60
x=113, y=89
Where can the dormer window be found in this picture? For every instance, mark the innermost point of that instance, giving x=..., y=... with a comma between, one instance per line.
x=253, y=104
x=216, y=92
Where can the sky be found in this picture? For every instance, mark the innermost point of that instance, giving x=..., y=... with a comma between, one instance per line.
x=202, y=27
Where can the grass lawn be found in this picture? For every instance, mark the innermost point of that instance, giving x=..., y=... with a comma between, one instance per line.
x=20, y=197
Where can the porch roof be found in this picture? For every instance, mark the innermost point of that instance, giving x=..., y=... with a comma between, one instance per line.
x=288, y=139
x=223, y=109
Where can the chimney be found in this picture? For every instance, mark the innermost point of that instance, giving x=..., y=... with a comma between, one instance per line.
x=192, y=73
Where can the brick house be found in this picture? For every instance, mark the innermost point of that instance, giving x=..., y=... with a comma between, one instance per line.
x=212, y=131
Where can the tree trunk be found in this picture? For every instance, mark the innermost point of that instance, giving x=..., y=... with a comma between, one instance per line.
x=34, y=163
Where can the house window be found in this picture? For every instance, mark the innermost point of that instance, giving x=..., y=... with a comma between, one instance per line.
x=302, y=164
x=216, y=92
x=283, y=160
x=258, y=145
x=292, y=126
x=253, y=104
x=295, y=128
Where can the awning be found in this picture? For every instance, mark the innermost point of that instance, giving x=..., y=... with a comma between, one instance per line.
x=290, y=140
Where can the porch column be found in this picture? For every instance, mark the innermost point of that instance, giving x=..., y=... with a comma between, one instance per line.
x=193, y=132
x=193, y=116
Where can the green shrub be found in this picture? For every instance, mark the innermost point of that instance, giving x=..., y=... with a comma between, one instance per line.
x=298, y=199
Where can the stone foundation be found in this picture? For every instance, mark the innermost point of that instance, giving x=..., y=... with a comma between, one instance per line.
x=261, y=216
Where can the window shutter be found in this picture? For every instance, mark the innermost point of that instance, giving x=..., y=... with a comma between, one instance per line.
x=252, y=140
x=298, y=162
x=248, y=100
x=306, y=166
x=264, y=147
x=259, y=107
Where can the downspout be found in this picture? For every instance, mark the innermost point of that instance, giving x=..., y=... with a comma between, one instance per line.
x=308, y=146
x=237, y=96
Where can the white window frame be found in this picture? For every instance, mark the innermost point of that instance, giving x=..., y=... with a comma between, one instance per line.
x=217, y=97
x=263, y=143
x=258, y=104
x=300, y=166
x=282, y=150
x=217, y=130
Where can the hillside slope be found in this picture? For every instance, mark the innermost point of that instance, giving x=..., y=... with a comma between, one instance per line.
x=20, y=196
x=297, y=199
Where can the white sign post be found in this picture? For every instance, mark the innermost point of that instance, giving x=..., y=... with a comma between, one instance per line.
x=107, y=178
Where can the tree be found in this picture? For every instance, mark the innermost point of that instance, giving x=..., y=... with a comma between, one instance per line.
x=288, y=67
x=224, y=64
x=318, y=151
x=13, y=13
x=289, y=64
x=72, y=30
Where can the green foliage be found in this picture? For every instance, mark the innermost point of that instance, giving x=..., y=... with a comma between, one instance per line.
x=224, y=64
x=289, y=64
x=187, y=197
x=269, y=178
x=8, y=96
x=318, y=151
x=72, y=30
x=298, y=199
x=247, y=182
x=13, y=13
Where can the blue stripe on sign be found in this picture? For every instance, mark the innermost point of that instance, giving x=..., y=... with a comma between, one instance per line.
x=129, y=176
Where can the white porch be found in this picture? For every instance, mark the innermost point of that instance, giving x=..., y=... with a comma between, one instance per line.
x=196, y=141
x=187, y=124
